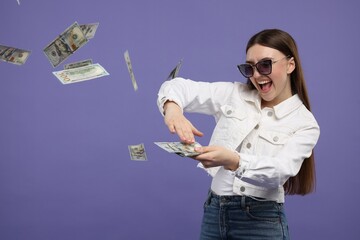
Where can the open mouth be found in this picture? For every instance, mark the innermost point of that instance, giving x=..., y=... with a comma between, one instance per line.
x=265, y=85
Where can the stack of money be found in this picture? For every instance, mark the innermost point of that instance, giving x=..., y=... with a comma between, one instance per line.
x=13, y=55
x=179, y=148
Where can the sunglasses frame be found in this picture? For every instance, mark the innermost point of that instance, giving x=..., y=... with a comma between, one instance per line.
x=253, y=66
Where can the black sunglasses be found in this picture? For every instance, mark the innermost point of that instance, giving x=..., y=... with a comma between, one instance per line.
x=264, y=67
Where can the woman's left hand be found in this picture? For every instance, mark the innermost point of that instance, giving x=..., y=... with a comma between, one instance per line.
x=213, y=156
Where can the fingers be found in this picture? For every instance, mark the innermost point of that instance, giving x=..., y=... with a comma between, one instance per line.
x=204, y=149
x=206, y=153
x=185, y=134
x=197, y=132
x=209, y=156
x=177, y=123
x=207, y=164
x=212, y=156
x=188, y=133
x=171, y=128
x=185, y=130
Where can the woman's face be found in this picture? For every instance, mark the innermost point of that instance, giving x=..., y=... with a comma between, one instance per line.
x=275, y=87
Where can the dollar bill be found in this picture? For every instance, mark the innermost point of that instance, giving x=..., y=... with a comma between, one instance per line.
x=80, y=74
x=137, y=152
x=13, y=55
x=78, y=64
x=57, y=52
x=130, y=69
x=74, y=37
x=174, y=73
x=67, y=43
x=179, y=148
x=89, y=30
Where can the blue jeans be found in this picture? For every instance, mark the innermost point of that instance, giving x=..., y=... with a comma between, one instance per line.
x=240, y=217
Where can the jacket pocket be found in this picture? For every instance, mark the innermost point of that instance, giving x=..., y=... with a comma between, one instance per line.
x=230, y=112
x=275, y=138
x=229, y=130
x=271, y=142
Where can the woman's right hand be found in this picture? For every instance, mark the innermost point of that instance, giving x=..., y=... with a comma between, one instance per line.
x=177, y=123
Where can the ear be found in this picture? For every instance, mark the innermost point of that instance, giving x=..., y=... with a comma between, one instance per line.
x=291, y=65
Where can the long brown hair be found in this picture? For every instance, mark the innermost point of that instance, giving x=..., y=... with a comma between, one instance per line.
x=304, y=182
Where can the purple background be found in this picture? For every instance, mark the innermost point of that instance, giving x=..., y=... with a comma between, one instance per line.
x=65, y=170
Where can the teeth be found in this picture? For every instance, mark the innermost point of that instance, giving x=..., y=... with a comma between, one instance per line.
x=263, y=82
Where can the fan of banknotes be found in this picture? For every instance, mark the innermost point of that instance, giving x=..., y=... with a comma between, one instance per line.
x=179, y=148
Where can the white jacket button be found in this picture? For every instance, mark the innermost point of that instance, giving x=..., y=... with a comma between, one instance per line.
x=242, y=189
x=228, y=112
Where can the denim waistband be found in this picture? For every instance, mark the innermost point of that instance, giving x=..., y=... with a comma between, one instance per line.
x=243, y=201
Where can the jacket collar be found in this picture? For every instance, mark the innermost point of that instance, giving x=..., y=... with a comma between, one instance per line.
x=252, y=96
x=282, y=109
x=287, y=106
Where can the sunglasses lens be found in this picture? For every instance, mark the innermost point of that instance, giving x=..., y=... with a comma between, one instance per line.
x=264, y=67
x=246, y=70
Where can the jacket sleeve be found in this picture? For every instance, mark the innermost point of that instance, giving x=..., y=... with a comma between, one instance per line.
x=192, y=96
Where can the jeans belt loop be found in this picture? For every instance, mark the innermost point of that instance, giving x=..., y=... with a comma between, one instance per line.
x=243, y=204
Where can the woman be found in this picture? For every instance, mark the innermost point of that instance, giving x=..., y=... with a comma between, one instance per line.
x=262, y=145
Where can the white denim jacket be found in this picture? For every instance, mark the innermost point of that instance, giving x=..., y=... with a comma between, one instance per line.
x=274, y=141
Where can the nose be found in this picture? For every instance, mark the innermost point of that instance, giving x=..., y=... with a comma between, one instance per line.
x=256, y=73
